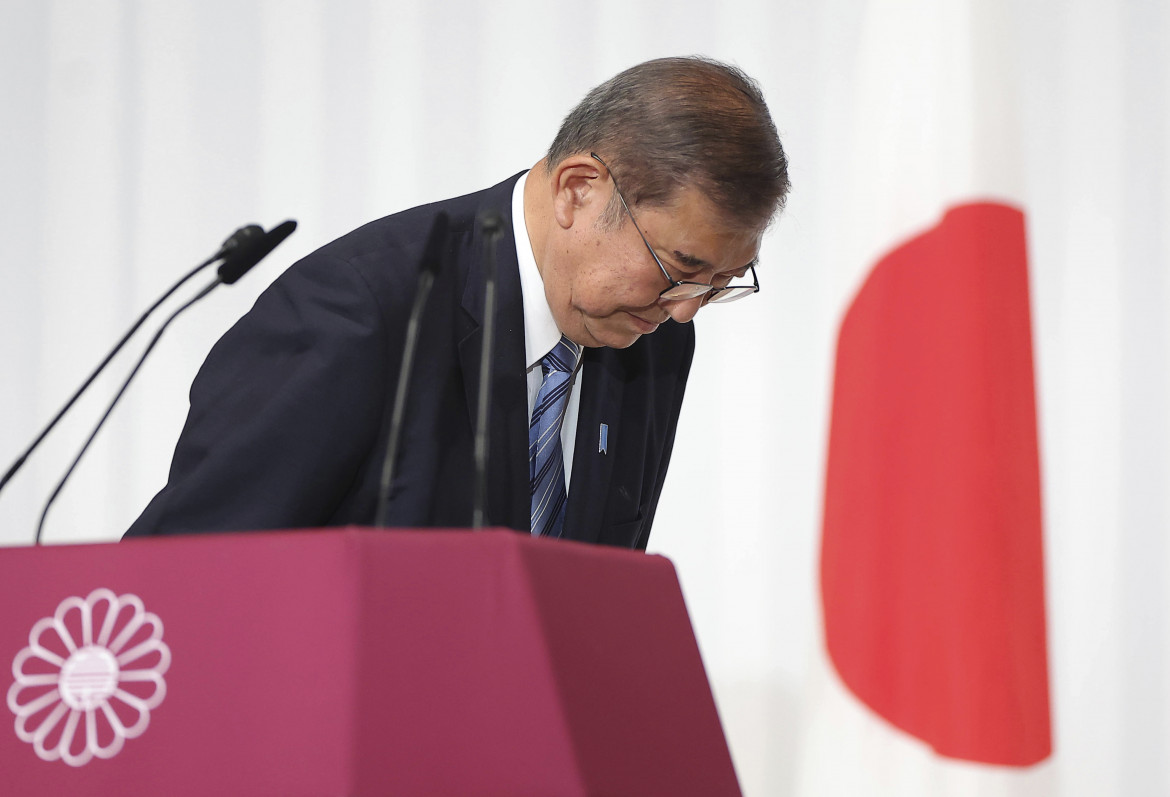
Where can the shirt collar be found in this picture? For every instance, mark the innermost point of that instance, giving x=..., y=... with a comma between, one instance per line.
x=540, y=328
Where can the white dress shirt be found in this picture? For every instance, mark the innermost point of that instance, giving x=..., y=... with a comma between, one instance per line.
x=541, y=333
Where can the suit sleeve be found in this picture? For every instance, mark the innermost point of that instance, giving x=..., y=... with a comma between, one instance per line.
x=285, y=410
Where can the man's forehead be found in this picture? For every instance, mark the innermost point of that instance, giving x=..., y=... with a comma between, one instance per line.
x=700, y=215
x=696, y=240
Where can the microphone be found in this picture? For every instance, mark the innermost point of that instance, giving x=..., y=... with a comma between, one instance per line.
x=492, y=227
x=242, y=238
x=246, y=235
x=237, y=262
x=248, y=248
x=431, y=260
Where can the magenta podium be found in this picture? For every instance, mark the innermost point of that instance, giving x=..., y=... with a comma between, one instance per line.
x=352, y=662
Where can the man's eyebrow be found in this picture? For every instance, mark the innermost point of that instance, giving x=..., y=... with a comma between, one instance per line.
x=699, y=264
x=690, y=261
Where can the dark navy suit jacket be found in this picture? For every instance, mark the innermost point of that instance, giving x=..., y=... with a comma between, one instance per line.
x=289, y=414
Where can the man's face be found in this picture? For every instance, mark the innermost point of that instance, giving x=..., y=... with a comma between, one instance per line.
x=602, y=283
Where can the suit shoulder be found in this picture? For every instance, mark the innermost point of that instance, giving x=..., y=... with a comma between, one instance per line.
x=398, y=240
x=386, y=254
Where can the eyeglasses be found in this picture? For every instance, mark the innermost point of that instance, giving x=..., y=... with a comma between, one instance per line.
x=681, y=290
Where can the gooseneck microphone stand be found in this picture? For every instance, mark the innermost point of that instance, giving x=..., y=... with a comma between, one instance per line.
x=492, y=228
x=432, y=259
x=243, y=250
x=233, y=243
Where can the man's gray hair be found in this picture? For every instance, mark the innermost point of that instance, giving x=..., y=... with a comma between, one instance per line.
x=676, y=122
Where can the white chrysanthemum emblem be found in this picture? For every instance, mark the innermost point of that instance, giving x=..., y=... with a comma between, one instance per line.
x=89, y=678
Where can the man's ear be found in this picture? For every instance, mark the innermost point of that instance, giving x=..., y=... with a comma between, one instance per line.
x=575, y=182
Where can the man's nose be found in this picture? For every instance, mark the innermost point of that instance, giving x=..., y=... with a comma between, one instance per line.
x=682, y=310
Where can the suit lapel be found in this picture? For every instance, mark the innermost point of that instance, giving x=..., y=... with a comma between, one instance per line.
x=603, y=381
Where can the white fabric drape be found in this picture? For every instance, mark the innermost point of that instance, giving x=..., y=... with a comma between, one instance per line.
x=137, y=135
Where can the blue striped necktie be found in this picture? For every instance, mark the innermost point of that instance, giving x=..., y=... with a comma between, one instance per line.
x=546, y=465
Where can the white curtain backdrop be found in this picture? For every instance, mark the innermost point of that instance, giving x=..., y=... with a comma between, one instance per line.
x=136, y=136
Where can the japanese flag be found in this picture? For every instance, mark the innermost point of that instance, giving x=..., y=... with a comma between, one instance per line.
x=933, y=678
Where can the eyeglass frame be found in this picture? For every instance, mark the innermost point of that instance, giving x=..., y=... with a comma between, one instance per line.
x=709, y=291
